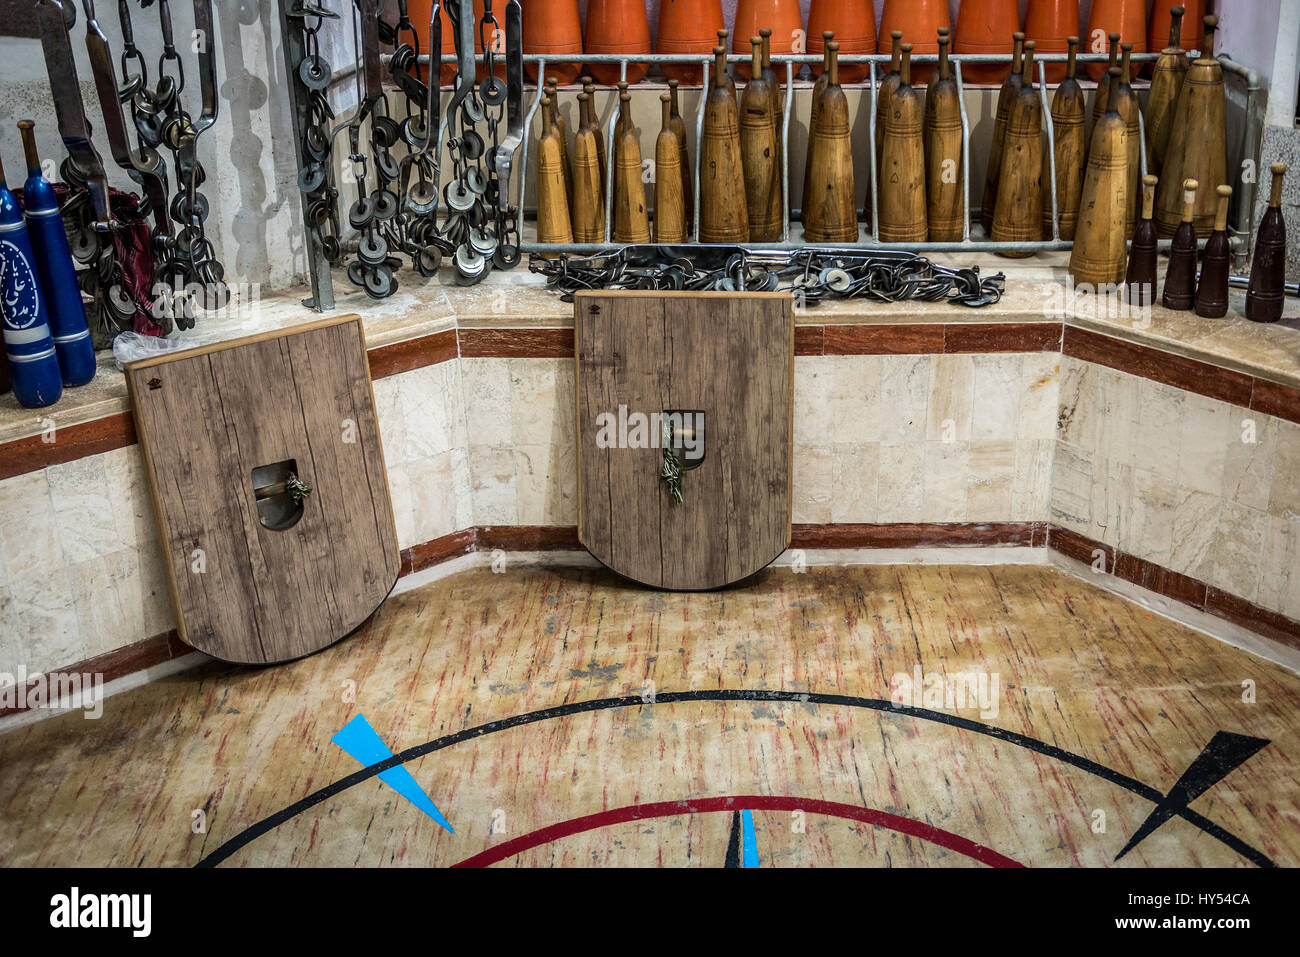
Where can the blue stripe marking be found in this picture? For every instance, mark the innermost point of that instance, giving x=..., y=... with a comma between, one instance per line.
x=749, y=843
x=359, y=739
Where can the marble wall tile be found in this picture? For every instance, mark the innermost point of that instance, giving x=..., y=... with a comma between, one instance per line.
x=1116, y=422
x=1160, y=424
x=453, y=385
x=463, y=484
x=45, y=613
x=492, y=469
x=11, y=642
x=1196, y=519
x=83, y=513
x=854, y=478
x=1279, y=579
x=947, y=481
x=814, y=407
x=952, y=392
x=425, y=406
x=1152, y=509
x=541, y=401
x=813, y=484
x=1031, y=487
x=855, y=398
x=159, y=616
x=1072, y=473
x=904, y=397
x=1040, y=388
x=433, y=498
x=900, y=490
x=1203, y=444
x=29, y=535
x=1284, y=491
x=1077, y=423
x=110, y=601
x=1112, y=502
x=128, y=490
x=546, y=485
x=400, y=495
x=996, y=399
x=391, y=418
x=1248, y=465
x=487, y=401
x=992, y=475
x=1237, y=550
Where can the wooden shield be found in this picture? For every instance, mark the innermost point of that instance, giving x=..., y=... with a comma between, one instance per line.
x=256, y=576
x=728, y=355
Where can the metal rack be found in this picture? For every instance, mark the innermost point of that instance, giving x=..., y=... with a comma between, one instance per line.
x=791, y=63
x=1240, y=235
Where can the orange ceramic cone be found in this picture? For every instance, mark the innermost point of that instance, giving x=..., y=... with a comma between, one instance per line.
x=854, y=25
x=1128, y=18
x=1050, y=23
x=920, y=21
x=1161, y=18
x=986, y=26
x=687, y=26
x=551, y=28
x=617, y=26
x=782, y=17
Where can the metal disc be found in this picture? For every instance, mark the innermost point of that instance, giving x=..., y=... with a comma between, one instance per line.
x=373, y=249
x=507, y=256
x=315, y=73
x=492, y=91
x=385, y=205
x=459, y=196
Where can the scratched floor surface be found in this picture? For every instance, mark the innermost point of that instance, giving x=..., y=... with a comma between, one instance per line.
x=1100, y=709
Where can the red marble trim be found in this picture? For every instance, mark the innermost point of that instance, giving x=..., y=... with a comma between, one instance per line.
x=529, y=538
x=1271, y=398
x=121, y=662
x=809, y=340
x=1178, y=587
x=980, y=337
x=1191, y=375
x=516, y=343
x=427, y=554
x=412, y=354
x=883, y=340
x=916, y=534
x=71, y=442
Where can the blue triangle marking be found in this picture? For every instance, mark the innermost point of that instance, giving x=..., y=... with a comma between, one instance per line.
x=359, y=740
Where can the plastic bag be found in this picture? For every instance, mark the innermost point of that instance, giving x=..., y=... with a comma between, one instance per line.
x=129, y=346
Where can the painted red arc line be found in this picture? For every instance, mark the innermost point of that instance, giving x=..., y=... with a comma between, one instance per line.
x=640, y=812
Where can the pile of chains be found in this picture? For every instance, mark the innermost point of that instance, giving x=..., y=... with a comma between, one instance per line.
x=811, y=274
x=397, y=209
x=186, y=258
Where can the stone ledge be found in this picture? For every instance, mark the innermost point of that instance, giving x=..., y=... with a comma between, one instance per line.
x=410, y=329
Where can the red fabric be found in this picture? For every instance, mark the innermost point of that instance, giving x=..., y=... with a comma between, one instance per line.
x=133, y=247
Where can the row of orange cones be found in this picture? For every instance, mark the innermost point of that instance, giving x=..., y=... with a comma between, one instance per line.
x=553, y=28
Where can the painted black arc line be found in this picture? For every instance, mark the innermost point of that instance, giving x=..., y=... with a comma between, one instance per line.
x=1154, y=795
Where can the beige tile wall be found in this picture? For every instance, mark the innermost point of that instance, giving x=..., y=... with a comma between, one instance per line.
x=1208, y=489
x=947, y=438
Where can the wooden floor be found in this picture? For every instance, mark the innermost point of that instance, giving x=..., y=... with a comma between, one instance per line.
x=1102, y=708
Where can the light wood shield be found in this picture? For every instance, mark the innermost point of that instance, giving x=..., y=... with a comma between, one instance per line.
x=730, y=355
x=206, y=418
